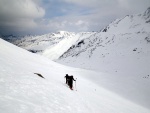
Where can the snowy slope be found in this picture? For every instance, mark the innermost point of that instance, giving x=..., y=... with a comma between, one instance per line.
x=21, y=91
x=130, y=24
x=123, y=46
x=122, y=49
x=56, y=51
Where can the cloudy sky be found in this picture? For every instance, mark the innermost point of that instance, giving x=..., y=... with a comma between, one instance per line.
x=21, y=17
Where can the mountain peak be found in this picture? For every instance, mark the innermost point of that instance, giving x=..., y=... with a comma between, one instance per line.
x=61, y=32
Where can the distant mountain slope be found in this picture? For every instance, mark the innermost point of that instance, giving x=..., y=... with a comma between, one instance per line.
x=52, y=45
x=37, y=44
x=56, y=51
x=122, y=47
x=130, y=24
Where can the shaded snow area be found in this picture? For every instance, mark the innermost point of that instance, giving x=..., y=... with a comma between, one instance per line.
x=22, y=91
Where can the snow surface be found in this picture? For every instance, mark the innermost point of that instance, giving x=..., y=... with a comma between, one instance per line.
x=21, y=91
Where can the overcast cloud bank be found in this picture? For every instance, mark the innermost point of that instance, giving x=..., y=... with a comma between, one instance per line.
x=21, y=17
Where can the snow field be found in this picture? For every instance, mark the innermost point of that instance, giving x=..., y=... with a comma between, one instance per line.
x=22, y=91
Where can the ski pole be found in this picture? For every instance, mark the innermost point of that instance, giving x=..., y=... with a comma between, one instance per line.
x=75, y=84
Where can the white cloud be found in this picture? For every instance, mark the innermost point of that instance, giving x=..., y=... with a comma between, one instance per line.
x=135, y=6
x=67, y=23
x=88, y=3
x=19, y=14
x=93, y=3
x=105, y=11
x=37, y=16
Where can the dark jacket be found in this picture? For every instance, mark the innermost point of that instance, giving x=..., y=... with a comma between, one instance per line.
x=70, y=81
x=67, y=77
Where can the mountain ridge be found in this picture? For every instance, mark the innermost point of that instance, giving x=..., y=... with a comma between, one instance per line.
x=120, y=39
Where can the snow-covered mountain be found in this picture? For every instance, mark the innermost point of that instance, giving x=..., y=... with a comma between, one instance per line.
x=56, y=51
x=38, y=44
x=123, y=47
x=23, y=91
x=52, y=45
x=119, y=54
x=65, y=44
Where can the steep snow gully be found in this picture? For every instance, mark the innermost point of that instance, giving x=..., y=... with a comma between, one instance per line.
x=21, y=91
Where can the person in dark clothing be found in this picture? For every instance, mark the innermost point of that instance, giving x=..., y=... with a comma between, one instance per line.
x=70, y=82
x=67, y=77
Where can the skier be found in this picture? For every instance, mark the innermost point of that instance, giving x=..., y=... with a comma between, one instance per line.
x=67, y=77
x=70, y=82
